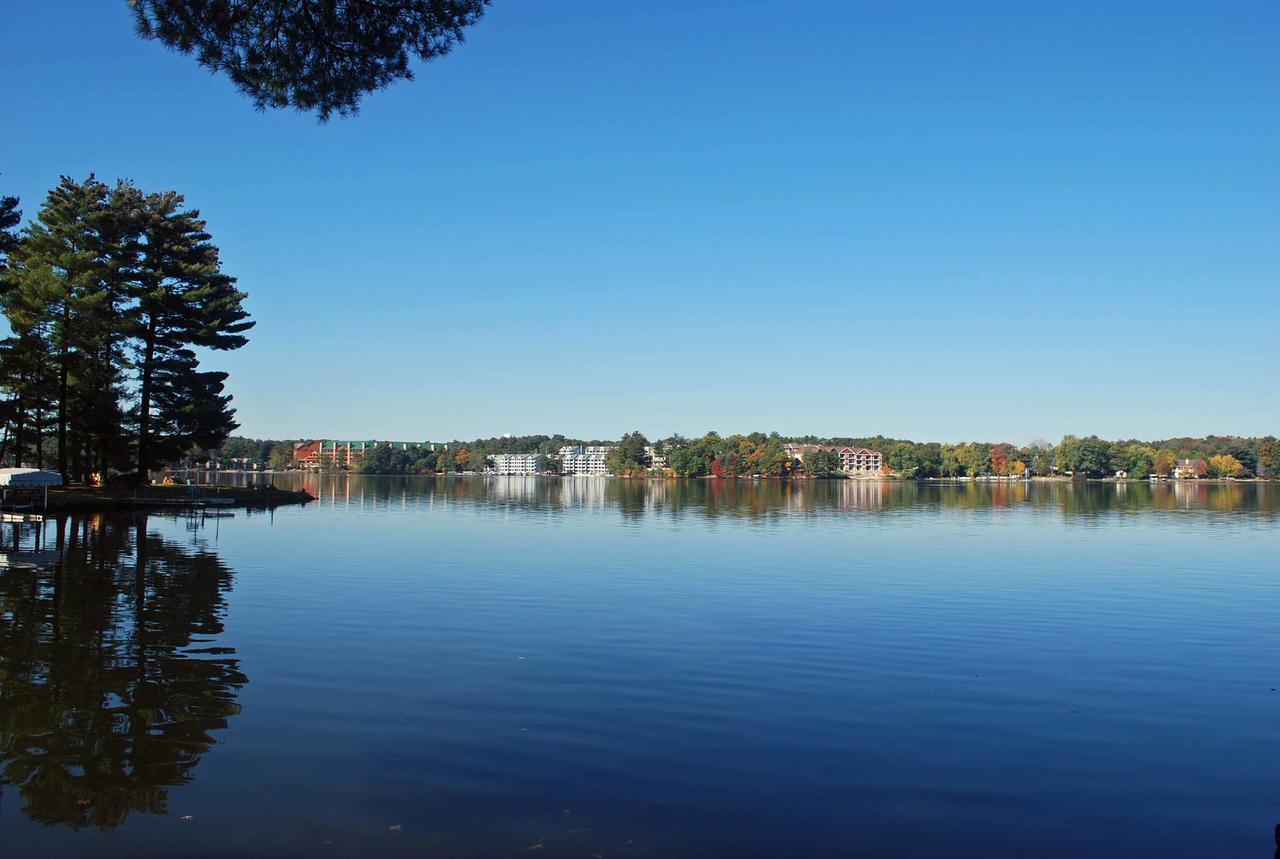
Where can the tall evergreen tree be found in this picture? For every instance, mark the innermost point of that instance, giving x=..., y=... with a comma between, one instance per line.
x=58, y=270
x=112, y=292
x=183, y=300
x=27, y=378
x=10, y=217
x=10, y=408
x=190, y=407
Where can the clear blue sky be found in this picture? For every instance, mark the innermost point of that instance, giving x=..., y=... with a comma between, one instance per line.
x=940, y=221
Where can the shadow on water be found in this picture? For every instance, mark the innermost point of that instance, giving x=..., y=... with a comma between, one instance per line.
x=110, y=690
x=764, y=499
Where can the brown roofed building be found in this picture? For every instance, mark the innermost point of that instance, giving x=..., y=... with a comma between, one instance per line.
x=860, y=460
x=853, y=460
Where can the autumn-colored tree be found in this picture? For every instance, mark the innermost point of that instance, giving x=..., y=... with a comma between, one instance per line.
x=1225, y=465
x=1164, y=461
x=1002, y=456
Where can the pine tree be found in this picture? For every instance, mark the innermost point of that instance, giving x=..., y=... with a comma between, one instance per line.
x=11, y=408
x=112, y=292
x=10, y=217
x=26, y=375
x=183, y=299
x=310, y=56
x=60, y=274
x=190, y=407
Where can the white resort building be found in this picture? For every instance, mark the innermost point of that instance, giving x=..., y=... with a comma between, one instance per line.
x=584, y=459
x=656, y=460
x=514, y=463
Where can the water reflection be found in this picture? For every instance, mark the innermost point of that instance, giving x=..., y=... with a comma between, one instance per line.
x=110, y=686
x=771, y=498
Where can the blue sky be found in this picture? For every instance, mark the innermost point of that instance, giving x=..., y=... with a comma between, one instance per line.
x=939, y=221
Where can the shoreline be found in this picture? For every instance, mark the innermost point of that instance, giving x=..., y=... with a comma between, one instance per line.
x=110, y=499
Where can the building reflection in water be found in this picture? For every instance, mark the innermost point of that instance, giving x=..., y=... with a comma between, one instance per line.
x=111, y=681
x=767, y=498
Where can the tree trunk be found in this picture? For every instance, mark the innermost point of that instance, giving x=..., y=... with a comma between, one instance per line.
x=79, y=469
x=37, y=428
x=18, y=436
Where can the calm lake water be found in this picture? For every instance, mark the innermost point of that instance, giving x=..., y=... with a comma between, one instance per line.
x=591, y=667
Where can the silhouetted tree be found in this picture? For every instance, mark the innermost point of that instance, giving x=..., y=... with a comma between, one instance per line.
x=10, y=217
x=111, y=292
x=321, y=55
x=182, y=299
x=190, y=408
x=60, y=278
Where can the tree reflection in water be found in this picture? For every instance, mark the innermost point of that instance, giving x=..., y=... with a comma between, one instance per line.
x=110, y=690
x=1078, y=503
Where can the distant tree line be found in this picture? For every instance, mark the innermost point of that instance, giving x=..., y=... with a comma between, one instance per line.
x=108, y=293
x=252, y=452
x=713, y=455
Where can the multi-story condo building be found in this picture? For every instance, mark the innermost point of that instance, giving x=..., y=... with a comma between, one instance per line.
x=853, y=460
x=656, y=460
x=584, y=459
x=860, y=460
x=514, y=463
x=344, y=454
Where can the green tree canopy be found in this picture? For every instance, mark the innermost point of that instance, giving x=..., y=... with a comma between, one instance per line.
x=63, y=290
x=111, y=291
x=902, y=459
x=628, y=456
x=182, y=299
x=822, y=463
x=321, y=55
x=10, y=218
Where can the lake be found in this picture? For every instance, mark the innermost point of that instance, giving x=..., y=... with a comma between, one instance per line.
x=474, y=667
